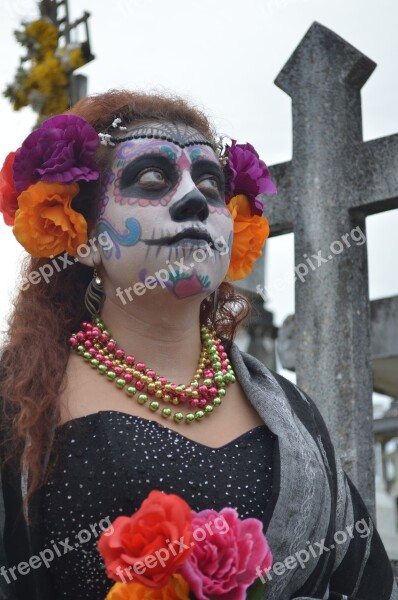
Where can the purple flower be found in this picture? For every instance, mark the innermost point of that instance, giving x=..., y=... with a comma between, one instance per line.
x=60, y=150
x=248, y=175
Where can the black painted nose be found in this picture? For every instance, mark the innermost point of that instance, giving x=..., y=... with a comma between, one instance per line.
x=192, y=206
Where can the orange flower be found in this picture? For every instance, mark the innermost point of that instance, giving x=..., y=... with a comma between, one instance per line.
x=250, y=233
x=176, y=589
x=45, y=223
x=8, y=195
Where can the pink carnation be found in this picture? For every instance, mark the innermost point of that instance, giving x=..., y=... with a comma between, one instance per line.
x=223, y=564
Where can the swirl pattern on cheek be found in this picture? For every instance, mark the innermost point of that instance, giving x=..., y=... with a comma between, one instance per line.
x=129, y=236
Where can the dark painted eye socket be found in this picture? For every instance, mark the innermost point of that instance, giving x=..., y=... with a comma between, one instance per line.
x=209, y=179
x=152, y=179
x=209, y=186
x=149, y=176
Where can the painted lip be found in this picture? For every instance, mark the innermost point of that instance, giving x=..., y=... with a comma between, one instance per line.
x=188, y=235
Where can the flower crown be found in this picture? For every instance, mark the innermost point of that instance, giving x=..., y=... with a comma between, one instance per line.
x=39, y=181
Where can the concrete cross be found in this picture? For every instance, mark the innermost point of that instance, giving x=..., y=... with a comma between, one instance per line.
x=333, y=182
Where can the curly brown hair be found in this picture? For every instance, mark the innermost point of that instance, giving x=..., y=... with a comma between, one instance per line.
x=35, y=352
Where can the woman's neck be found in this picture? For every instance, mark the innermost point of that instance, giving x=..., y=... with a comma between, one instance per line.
x=165, y=337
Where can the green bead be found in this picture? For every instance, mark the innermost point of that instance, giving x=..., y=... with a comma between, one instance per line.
x=219, y=378
x=222, y=392
x=199, y=415
x=217, y=364
x=189, y=417
x=178, y=417
x=194, y=384
x=217, y=401
x=142, y=398
x=111, y=375
x=106, y=332
x=154, y=405
x=81, y=349
x=207, y=382
x=120, y=383
x=208, y=409
x=131, y=390
x=87, y=355
x=94, y=362
x=102, y=369
x=166, y=412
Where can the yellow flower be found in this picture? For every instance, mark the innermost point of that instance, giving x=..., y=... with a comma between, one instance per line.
x=44, y=32
x=176, y=589
x=250, y=233
x=45, y=223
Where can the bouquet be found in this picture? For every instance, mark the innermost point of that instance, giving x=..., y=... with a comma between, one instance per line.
x=166, y=551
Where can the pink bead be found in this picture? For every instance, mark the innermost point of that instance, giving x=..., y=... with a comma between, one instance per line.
x=202, y=389
x=108, y=363
x=139, y=385
x=140, y=366
x=212, y=392
x=162, y=380
x=100, y=357
x=118, y=370
x=80, y=336
x=87, y=344
x=93, y=351
x=194, y=402
x=85, y=324
x=151, y=373
x=104, y=337
x=129, y=359
x=111, y=346
x=119, y=353
x=73, y=342
x=224, y=355
x=223, y=371
x=221, y=348
x=202, y=402
x=183, y=397
x=224, y=364
x=128, y=378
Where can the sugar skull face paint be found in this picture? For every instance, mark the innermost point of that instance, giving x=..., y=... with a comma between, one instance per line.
x=162, y=204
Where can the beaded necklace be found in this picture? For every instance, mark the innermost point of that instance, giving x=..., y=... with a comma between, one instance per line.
x=205, y=392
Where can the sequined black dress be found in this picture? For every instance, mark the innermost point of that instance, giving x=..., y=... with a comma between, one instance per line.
x=110, y=461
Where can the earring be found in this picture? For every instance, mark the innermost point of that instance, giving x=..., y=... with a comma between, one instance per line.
x=215, y=304
x=94, y=297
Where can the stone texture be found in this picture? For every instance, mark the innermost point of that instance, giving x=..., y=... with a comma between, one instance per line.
x=333, y=181
x=384, y=345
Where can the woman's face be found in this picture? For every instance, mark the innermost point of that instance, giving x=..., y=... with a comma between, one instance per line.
x=163, y=208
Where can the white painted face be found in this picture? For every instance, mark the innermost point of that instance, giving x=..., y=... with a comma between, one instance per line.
x=163, y=208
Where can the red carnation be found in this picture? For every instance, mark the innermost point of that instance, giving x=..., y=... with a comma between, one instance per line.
x=8, y=195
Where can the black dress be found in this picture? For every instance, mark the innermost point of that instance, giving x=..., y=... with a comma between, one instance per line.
x=110, y=461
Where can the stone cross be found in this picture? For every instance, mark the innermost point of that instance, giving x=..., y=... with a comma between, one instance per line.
x=325, y=192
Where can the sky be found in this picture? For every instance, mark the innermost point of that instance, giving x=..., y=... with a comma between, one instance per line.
x=224, y=56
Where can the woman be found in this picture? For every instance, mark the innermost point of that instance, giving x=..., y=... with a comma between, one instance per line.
x=128, y=282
